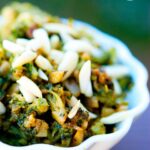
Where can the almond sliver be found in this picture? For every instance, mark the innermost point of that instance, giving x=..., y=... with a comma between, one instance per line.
x=74, y=110
x=68, y=63
x=42, y=36
x=59, y=28
x=56, y=55
x=78, y=46
x=85, y=79
x=30, y=86
x=24, y=58
x=42, y=75
x=74, y=100
x=43, y=63
x=116, y=71
x=29, y=97
x=12, y=47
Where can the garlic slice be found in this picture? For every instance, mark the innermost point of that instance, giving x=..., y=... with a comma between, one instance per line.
x=68, y=63
x=116, y=117
x=74, y=110
x=59, y=28
x=42, y=75
x=2, y=108
x=12, y=47
x=116, y=71
x=85, y=79
x=78, y=46
x=42, y=36
x=29, y=97
x=43, y=63
x=29, y=86
x=56, y=55
x=24, y=58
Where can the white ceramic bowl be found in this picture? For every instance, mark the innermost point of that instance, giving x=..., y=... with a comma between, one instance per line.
x=138, y=98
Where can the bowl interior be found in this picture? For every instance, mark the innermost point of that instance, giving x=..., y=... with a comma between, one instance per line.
x=138, y=97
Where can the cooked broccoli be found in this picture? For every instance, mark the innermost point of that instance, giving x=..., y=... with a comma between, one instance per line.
x=126, y=83
x=58, y=133
x=97, y=127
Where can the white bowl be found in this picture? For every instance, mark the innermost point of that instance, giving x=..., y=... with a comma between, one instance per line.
x=138, y=98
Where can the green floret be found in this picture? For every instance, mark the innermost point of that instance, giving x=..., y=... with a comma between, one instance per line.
x=40, y=105
x=31, y=71
x=126, y=83
x=58, y=133
x=97, y=127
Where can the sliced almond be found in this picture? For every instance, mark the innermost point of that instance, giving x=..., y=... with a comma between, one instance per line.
x=2, y=108
x=24, y=58
x=68, y=63
x=59, y=28
x=116, y=71
x=74, y=100
x=30, y=86
x=65, y=37
x=74, y=110
x=85, y=79
x=42, y=36
x=33, y=45
x=43, y=63
x=117, y=87
x=29, y=97
x=78, y=46
x=42, y=75
x=56, y=55
x=12, y=47
x=55, y=41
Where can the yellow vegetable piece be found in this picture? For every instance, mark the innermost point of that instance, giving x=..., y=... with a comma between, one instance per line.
x=78, y=137
x=56, y=76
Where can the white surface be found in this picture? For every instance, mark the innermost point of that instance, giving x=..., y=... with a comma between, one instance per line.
x=138, y=98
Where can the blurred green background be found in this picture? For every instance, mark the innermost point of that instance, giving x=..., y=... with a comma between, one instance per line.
x=129, y=20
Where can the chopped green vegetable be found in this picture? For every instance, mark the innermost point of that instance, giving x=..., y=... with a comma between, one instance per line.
x=98, y=127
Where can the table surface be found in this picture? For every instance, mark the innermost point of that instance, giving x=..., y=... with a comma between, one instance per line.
x=129, y=20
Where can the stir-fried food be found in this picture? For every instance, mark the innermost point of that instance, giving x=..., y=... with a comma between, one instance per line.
x=56, y=81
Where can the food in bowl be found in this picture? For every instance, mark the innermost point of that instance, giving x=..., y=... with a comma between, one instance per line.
x=58, y=84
